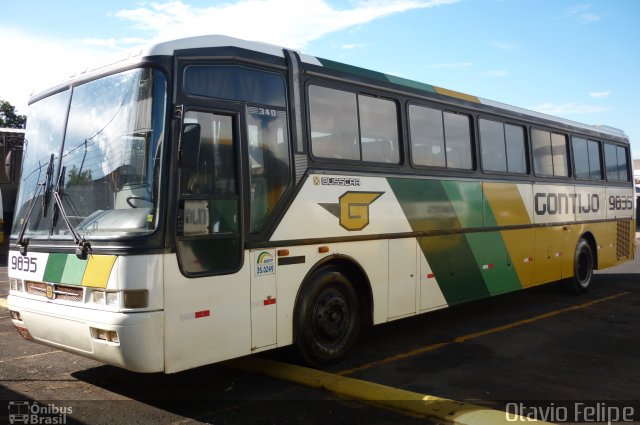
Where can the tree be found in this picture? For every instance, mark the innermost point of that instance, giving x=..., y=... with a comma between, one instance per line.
x=9, y=118
x=80, y=178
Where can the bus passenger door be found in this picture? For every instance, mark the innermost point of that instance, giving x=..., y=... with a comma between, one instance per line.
x=209, y=214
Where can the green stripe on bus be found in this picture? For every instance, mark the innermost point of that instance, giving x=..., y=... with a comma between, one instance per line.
x=410, y=83
x=425, y=204
x=449, y=205
x=379, y=76
x=342, y=67
x=466, y=200
x=54, y=268
x=74, y=270
x=494, y=262
x=449, y=257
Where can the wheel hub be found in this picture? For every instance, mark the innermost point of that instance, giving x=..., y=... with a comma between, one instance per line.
x=331, y=316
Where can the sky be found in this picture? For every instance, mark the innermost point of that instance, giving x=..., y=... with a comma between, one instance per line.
x=578, y=60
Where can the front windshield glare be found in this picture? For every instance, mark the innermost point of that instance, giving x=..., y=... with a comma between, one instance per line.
x=108, y=175
x=43, y=138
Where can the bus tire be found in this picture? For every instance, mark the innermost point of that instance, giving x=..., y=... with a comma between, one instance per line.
x=327, y=319
x=583, y=265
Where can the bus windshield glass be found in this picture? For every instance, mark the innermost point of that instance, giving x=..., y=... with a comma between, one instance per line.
x=97, y=147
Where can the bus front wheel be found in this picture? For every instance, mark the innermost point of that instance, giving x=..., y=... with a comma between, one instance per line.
x=583, y=265
x=327, y=320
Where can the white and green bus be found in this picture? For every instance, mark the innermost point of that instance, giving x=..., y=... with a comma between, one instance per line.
x=210, y=198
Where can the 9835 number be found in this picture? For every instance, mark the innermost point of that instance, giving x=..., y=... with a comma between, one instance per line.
x=620, y=202
x=24, y=264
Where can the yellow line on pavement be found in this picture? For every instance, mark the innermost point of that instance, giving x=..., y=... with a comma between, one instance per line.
x=3, y=303
x=474, y=335
x=438, y=408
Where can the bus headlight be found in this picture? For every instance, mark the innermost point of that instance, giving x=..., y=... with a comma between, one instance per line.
x=97, y=297
x=16, y=285
x=112, y=299
x=105, y=298
x=133, y=298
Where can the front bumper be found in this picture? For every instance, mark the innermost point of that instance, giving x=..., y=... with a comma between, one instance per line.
x=140, y=345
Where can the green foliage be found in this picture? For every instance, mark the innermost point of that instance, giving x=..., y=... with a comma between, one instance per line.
x=8, y=116
x=79, y=179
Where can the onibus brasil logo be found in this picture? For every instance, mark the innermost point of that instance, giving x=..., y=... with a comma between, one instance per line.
x=353, y=209
x=26, y=412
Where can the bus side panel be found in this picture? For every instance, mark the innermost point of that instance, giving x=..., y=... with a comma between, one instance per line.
x=509, y=204
x=605, y=235
x=452, y=261
x=548, y=254
x=521, y=253
x=403, y=277
x=570, y=237
x=494, y=261
x=370, y=255
x=207, y=319
x=263, y=299
x=431, y=297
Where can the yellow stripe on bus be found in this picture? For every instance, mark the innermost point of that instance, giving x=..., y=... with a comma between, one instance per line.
x=456, y=94
x=506, y=203
x=98, y=270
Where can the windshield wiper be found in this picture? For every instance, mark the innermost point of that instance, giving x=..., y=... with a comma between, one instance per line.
x=83, y=247
x=47, y=187
x=22, y=243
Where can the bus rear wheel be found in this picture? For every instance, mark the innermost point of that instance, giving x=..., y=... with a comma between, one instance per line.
x=583, y=265
x=327, y=320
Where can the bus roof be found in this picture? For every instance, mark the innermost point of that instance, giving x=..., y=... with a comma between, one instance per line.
x=208, y=41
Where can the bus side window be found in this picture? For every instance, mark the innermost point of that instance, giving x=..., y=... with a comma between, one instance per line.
x=268, y=161
x=378, y=130
x=549, y=153
x=457, y=136
x=586, y=158
x=616, y=162
x=427, y=136
x=334, y=123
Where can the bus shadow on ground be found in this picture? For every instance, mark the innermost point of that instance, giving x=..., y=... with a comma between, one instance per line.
x=220, y=394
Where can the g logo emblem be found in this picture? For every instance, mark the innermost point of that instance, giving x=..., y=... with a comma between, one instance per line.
x=354, y=209
x=50, y=292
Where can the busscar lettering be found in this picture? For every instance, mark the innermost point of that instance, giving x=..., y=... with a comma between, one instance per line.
x=566, y=203
x=339, y=181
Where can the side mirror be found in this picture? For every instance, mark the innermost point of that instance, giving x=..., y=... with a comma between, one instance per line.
x=189, y=145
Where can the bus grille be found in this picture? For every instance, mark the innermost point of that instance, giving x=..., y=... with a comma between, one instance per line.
x=61, y=292
x=623, y=243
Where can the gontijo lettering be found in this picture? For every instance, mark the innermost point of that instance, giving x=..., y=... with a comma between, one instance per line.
x=566, y=203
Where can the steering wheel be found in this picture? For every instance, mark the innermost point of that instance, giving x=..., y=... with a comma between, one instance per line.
x=133, y=198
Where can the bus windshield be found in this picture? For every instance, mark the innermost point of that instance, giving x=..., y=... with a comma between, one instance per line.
x=97, y=147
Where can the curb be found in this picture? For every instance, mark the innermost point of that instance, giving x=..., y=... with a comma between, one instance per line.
x=437, y=408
